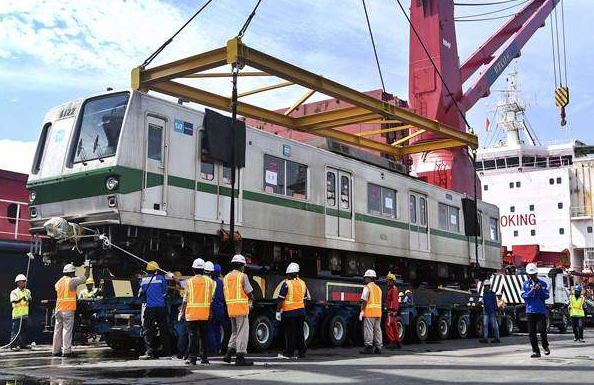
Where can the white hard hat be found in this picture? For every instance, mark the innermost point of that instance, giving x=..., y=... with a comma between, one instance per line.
x=238, y=258
x=69, y=268
x=198, y=263
x=209, y=266
x=370, y=273
x=531, y=268
x=292, y=268
x=487, y=282
x=20, y=277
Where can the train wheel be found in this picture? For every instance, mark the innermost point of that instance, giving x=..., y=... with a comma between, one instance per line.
x=401, y=328
x=462, y=327
x=421, y=329
x=337, y=331
x=441, y=328
x=308, y=331
x=261, y=333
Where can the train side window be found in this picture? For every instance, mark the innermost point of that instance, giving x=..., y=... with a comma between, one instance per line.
x=226, y=173
x=296, y=180
x=155, y=142
x=373, y=199
x=449, y=217
x=345, y=187
x=274, y=175
x=443, y=216
x=493, y=229
x=422, y=211
x=412, y=202
x=454, y=214
x=389, y=202
x=206, y=162
x=330, y=189
x=40, y=148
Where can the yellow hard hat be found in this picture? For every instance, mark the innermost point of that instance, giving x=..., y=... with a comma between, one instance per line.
x=90, y=281
x=391, y=276
x=152, y=266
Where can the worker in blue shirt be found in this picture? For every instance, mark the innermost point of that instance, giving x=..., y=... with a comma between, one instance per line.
x=155, y=328
x=535, y=292
x=489, y=313
x=218, y=309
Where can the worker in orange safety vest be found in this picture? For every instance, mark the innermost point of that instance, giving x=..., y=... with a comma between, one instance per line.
x=371, y=314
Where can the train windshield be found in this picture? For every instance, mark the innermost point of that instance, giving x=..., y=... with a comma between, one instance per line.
x=99, y=129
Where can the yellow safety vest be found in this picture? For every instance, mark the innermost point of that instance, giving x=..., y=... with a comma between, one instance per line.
x=576, y=306
x=373, y=309
x=21, y=308
x=296, y=290
x=235, y=297
x=200, y=289
x=85, y=294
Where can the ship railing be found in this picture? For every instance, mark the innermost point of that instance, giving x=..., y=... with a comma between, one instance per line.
x=13, y=225
x=581, y=211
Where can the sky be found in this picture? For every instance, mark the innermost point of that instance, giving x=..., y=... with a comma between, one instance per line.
x=53, y=51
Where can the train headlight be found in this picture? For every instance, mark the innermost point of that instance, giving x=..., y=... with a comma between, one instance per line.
x=32, y=196
x=111, y=183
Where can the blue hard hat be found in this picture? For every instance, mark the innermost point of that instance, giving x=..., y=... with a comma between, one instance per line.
x=578, y=288
x=217, y=268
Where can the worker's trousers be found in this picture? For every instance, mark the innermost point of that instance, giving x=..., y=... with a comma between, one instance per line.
x=294, y=337
x=156, y=331
x=240, y=333
x=372, y=331
x=63, y=331
x=198, y=330
x=537, y=323
x=392, y=329
x=18, y=334
x=490, y=319
x=577, y=324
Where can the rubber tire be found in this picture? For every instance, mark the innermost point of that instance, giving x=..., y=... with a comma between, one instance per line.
x=563, y=326
x=402, y=328
x=331, y=337
x=462, y=327
x=308, y=331
x=441, y=328
x=507, y=326
x=421, y=329
x=523, y=326
x=263, y=342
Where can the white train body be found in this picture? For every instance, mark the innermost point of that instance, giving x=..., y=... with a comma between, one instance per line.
x=292, y=196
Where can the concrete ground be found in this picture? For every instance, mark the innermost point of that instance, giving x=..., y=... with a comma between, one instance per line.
x=449, y=362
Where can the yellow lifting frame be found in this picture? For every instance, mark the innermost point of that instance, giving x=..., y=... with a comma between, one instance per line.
x=363, y=109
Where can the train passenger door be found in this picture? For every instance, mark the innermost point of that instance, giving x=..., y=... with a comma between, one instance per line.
x=154, y=188
x=339, y=204
x=418, y=226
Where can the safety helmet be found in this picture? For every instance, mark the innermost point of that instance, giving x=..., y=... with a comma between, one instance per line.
x=152, y=266
x=487, y=282
x=292, y=268
x=238, y=258
x=90, y=281
x=401, y=294
x=578, y=288
x=69, y=268
x=499, y=294
x=208, y=266
x=408, y=292
x=20, y=277
x=198, y=263
x=531, y=269
x=370, y=274
x=217, y=268
x=391, y=277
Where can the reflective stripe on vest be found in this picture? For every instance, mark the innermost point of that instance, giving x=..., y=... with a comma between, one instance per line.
x=66, y=300
x=235, y=296
x=85, y=294
x=200, y=290
x=296, y=290
x=373, y=309
x=576, y=306
x=21, y=308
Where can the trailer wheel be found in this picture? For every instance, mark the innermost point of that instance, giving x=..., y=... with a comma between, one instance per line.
x=508, y=325
x=421, y=328
x=337, y=331
x=308, y=331
x=462, y=327
x=261, y=333
x=401, y=328
x=441, y=328
x=563, y=325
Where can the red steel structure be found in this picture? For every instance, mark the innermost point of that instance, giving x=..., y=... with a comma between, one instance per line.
x=14, y=215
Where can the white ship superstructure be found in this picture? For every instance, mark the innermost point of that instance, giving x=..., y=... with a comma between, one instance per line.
x=543, y=191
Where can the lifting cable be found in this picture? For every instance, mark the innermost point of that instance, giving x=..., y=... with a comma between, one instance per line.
x=248, y=21
x=481, y=4
x=486, y=18
x=558, y=47
x=491, y=12
x=162, y=47
x=379, y=69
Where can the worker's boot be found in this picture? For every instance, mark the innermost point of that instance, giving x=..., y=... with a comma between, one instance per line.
x=229, y=355
x=547, y=351
x=377, y=351
x=191, y=361
x=496, y=341
x=535, y=355
x=241, y=361
x=367, y=350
